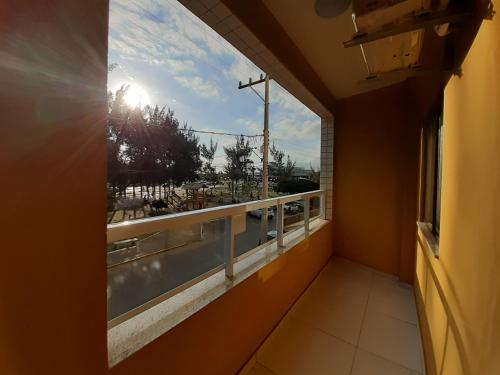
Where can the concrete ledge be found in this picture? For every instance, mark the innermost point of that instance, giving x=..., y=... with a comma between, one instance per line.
x=428, y=239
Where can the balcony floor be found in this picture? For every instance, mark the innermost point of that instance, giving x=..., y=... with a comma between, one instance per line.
x=351, y=320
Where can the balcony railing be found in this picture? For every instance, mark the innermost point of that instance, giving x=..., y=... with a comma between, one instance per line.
x=232, y=216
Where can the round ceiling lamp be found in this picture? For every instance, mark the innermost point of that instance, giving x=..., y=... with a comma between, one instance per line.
x=331, y=8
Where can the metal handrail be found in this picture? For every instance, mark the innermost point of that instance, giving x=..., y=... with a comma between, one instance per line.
x=128, y=229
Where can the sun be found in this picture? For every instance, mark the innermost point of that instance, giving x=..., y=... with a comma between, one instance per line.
x=136, y=96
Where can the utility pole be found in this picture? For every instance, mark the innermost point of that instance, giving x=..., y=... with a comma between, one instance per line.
x=265, y=147
x=265, y=156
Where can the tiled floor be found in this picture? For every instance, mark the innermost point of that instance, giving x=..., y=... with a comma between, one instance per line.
x=351, y=320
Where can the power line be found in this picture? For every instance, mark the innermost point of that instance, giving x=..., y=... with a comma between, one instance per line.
x=221, y=133
x=201, y=131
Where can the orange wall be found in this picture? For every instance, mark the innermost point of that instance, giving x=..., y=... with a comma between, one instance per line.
x=52, y=156
x=53, y=280
x=460, y=291
x=376, y=179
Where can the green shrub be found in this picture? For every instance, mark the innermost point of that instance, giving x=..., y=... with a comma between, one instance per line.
x=158, y=204
x=298, y=186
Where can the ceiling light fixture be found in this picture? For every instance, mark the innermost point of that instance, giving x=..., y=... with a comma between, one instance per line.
x=331, y=8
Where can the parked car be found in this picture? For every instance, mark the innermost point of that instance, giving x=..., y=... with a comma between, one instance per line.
x=290, y=208
x=294, y=207
x=272, y=234
x=258, y=213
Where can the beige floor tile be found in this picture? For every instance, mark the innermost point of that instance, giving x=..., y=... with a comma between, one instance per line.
x=314, y=337
x=393, y=298
x=335, y=315
x=349, y=270
x=299, y=349
x=347, y=283
x=341, y=290
x=391, y=338
x=258, y=369
x=366, y=363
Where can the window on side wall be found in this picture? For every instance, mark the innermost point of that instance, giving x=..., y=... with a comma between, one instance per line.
x=433, y=159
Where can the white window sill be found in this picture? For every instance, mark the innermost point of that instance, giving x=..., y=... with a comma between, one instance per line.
x=128, y=337
x=428, y=239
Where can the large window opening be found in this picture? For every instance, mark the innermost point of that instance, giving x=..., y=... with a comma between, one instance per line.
x=184, y=136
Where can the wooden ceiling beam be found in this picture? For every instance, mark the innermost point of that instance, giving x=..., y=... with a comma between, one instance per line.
x=416, y=22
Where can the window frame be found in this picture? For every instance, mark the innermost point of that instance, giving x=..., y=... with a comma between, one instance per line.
x=431, y=169
x=438, y=173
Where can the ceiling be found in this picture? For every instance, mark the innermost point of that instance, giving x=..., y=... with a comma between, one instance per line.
x=303, y=52
x=342, y=70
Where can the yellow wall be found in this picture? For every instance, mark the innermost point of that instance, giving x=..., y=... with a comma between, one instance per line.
x=460, y=291
x=53, y=67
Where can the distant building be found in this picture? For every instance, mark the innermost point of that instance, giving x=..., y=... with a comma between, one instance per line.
x=301, y=173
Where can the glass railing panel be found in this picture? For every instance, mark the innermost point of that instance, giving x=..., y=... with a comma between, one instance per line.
x=315, y=207
x=254, y=234
x=293, y=215
x=144, y=267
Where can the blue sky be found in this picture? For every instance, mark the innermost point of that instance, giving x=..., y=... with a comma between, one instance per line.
x=180, y=62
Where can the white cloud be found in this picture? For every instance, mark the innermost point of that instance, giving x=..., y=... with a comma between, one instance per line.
x=149, y=27
x=288, y=102
x=200, y=86
x=178, y=66
x=290, y=129
x=121, y=47
x=241, y=68
x=301, y=140
x=160, y=29
x=286, y=129
x=250, y=126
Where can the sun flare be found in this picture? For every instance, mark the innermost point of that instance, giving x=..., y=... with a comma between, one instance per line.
x=136, y=96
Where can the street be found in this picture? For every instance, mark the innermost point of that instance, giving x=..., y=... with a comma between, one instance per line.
x=133, y=283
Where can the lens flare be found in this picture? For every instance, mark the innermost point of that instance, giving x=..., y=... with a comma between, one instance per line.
x=136, y=96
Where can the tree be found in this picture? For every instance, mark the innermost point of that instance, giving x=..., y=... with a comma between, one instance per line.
x=187, y=160
x=278, y=167
x=294, y=187
x=238, y=162
x=148, y=147
x=118, y=117
x=208, y=153
x=289, y=167
x=315, y=174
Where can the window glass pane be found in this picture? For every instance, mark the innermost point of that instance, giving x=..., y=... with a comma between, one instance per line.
x=315, y=207
x=294, y=215
x=255, y=234
x=438, y=175
x=145, y=267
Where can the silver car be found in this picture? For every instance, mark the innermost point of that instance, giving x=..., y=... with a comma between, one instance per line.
x=258, y=213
